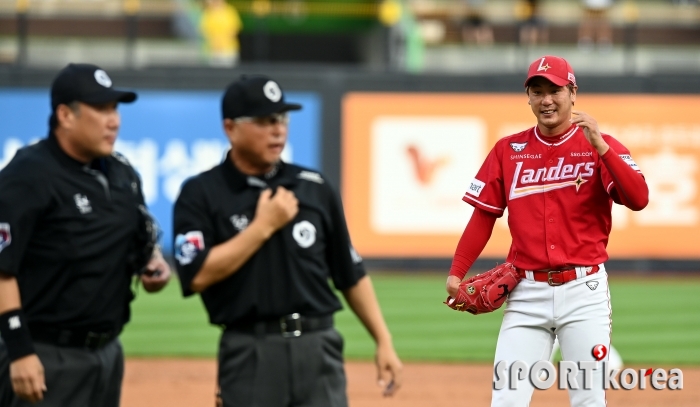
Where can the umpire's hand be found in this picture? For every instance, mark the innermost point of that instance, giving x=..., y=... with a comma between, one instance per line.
x=27, y=375
x=275, y=211
x=157, y=273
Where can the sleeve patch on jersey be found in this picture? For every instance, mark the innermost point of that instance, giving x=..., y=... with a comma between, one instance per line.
x=5, y=235
x=628, y=159
x=476, y=187
x=187, y=246
x=356, y=258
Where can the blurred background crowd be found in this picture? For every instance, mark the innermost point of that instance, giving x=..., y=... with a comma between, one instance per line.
x=430, y=36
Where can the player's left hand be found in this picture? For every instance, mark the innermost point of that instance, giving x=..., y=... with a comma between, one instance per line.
x=389, y=369
x=157, y=273
x=590, y=130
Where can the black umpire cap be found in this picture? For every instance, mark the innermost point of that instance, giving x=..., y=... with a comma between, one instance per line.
x=85, y=83
x=88, y=84
x=254, y=96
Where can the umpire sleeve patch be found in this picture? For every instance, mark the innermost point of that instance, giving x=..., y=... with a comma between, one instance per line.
x=187, y=246
x=356, y=258
x=5, y=235
x=476, y=187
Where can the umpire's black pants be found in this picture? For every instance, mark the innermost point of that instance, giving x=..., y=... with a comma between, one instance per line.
x=269, y=370
x=75, y=377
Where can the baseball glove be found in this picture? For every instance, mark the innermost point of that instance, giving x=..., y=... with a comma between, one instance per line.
x=485, y=292
x=147, y=236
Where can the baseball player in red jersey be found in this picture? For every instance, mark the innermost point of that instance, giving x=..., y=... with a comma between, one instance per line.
x=558, y=180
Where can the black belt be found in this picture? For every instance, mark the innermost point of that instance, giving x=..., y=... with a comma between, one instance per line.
x=288, y=326
x=72, y=338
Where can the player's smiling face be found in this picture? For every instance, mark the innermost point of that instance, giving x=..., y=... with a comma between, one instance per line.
x=551, y=104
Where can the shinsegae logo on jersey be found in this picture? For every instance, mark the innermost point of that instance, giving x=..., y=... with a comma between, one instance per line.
x=187, y=246
x=569, y=175
x=304, y=233
x=5, y=235
x=82, y=203
x=239, y=222
x=518, y=147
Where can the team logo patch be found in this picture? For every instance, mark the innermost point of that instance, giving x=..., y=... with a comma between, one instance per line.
x=592, y=285
x=102, y=78
x=187, y=246
x=14, y=323
x=543, y=66
x=272, y=91
x=82, y=203
x=5, y=235
x=471, y=290
x=304, y=233
x=518, y=147
x=476, y=187
x=239, y=222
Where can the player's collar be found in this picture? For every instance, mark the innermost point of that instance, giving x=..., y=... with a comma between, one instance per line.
x=559, y=139
x=62, y=156
x=279, y=175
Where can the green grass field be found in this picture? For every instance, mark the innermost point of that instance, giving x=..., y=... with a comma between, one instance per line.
x=655, y=320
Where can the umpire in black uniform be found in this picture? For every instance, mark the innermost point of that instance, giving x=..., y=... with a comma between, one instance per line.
x=259, y=239
x=73, y=233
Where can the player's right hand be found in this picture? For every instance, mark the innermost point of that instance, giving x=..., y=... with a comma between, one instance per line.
x=27, y=375
x=276, y=211
x=452, y=285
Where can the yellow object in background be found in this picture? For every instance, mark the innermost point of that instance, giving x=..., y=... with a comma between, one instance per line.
x=220, y=25
x=390, y=12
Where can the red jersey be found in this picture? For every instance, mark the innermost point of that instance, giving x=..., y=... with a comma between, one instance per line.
x=557, y=191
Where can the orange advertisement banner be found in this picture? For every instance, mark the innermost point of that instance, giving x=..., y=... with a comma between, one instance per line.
x=407, y=160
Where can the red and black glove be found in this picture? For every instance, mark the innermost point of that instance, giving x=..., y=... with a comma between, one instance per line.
x=485, y=292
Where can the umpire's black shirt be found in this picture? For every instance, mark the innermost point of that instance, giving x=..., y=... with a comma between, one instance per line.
x=66, y=230
x=290, y=272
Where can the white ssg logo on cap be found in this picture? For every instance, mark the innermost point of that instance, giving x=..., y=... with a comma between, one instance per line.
x=272, y=91
x=102, y=78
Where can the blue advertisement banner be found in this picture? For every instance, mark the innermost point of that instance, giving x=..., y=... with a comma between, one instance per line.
x=167, y=136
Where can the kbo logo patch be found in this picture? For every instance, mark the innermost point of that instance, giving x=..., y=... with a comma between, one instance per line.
x=187, y=246
x=5, y=235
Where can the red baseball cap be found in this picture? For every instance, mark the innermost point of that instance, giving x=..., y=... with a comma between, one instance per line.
x=556, y=69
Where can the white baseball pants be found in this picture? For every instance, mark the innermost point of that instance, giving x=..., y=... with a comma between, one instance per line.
x=579, y=314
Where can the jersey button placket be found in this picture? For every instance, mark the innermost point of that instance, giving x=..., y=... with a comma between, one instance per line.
x=550, y=227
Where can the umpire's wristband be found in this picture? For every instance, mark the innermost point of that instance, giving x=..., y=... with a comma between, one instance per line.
x=15, y=334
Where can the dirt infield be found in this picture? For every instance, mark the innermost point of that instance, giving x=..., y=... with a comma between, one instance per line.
x=190, y=383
